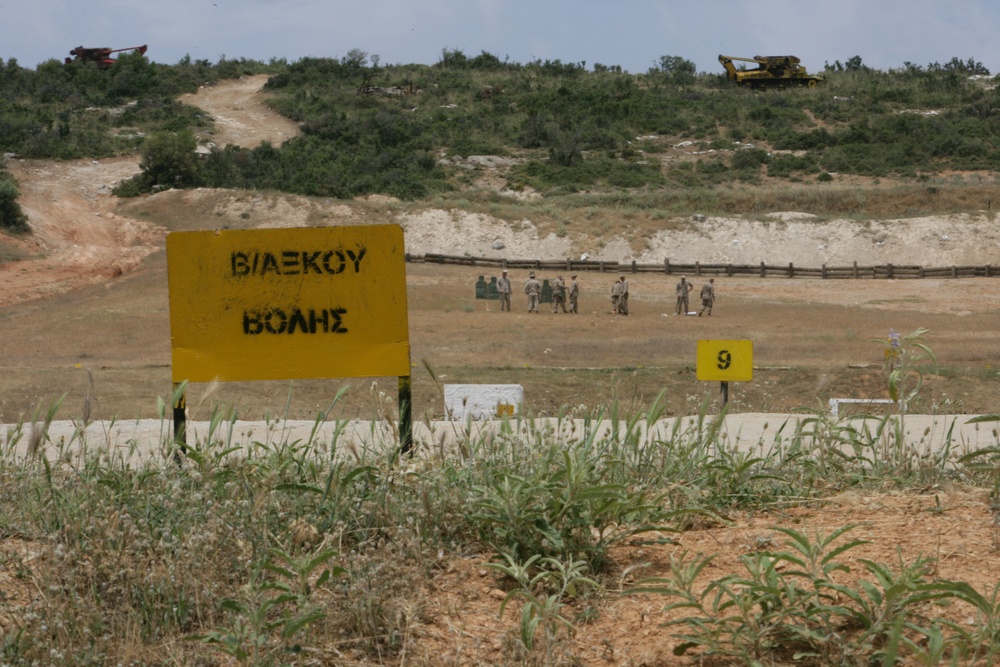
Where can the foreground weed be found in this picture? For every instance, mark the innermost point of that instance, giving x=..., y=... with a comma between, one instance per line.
x=545, y=585
x=790, y=605
x=271, y=613
x=563, y=508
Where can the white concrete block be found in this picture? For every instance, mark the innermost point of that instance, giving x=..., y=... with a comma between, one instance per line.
x=482, y=401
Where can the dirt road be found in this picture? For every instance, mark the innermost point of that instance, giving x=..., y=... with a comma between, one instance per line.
x=77, y=238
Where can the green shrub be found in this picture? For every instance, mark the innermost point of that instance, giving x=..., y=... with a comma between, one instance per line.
x=169, y=160
x=749, y=158
x=783, y=166
x=12, y=218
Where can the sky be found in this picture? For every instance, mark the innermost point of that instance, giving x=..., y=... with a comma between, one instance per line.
x=632, y=34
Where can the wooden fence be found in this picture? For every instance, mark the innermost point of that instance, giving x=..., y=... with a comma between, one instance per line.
x=762, y=270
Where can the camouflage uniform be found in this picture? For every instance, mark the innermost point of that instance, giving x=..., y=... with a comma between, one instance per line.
x=616, y=293
x=533, y=289
x=574, y=295
x=503, y=287
x=707, y=297
x=623, y=299
x=682, y=290
x=558, y=295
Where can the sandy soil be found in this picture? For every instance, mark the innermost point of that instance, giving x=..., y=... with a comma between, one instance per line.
x=79, y=239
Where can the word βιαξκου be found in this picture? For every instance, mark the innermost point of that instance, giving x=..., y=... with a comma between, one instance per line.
x=295, y=262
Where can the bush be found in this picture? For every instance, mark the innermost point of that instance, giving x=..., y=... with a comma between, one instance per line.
x=169, y=160
x=12, y=218
x=749, y=158
x=783, y=166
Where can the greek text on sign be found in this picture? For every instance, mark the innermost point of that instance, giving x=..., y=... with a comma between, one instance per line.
x=295, y=262
x=277, y=304
x=725, y=360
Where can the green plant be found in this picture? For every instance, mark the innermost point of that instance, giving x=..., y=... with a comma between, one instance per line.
x=906, y=358
x=12, y=217
x=792, y=604
x=271, y=613
x=544, y=585
x=563, y=507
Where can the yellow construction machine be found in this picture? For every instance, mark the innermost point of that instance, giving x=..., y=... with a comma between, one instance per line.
x=771, y=72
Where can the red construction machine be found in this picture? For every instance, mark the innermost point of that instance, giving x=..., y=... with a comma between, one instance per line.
x=100, y=56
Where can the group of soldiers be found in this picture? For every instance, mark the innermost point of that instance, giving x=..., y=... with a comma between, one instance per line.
x=619, y=295
x=683, y=289
x=533, y=289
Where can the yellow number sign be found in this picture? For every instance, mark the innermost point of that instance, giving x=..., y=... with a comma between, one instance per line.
x=725, y=360
x=280, y=304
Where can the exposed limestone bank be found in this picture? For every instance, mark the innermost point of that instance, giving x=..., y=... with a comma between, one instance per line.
x=148, y=440
x=799, y=238
x=478, y=235
x=802, y=239
x=776, y=239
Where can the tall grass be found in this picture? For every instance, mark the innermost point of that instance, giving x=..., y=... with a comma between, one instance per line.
x=269, y=550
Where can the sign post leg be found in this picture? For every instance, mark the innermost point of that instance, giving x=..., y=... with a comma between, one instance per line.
x=725, y=393
x=180, y=419
x=405, y=415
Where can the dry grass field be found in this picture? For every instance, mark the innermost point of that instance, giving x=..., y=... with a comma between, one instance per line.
x=812, y=341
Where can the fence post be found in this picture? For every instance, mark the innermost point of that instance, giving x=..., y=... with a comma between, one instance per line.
x=569, y=264
x=954, y=271
x=889, y=270
x=791, y=270
x=697, y=268
x=987, y=270
x=504, y=263
x=855, y=270
x=920, y=271
x=634, y=269
x=666, y=266
x=822, y=272
x=763, y=270
x=601, y=268
x=729, y=270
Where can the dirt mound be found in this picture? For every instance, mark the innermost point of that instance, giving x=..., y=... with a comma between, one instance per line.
x=77, y=239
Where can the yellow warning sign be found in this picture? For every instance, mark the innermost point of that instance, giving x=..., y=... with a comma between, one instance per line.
x=725, y=360
x=281, y=304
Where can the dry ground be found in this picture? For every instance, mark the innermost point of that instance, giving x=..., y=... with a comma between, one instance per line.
x=89, y=294
x=812, y=341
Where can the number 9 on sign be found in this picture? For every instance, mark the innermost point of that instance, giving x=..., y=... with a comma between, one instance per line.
x=725, y=360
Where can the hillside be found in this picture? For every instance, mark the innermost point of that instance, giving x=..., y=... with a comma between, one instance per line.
x=82, y=234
